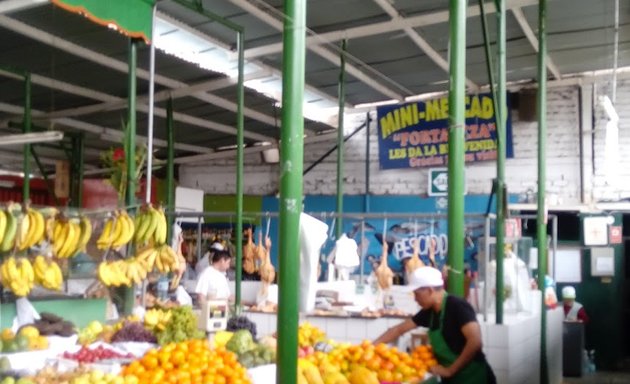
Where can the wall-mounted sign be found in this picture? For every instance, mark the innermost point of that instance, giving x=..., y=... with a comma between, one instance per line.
x=438, y=182
x=415, y=135
x=596, y=230
x=616, y=235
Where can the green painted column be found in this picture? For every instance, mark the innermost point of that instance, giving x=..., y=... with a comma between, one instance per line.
x=291, y=193
x=340, y=139
x=26, y=187
x=170, y=165
x=240, y=124
x=541, y=219
x=456, y=140
x=130, y=153
x=501, y=116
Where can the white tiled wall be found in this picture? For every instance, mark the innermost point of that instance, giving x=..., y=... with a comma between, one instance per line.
x=513, y=348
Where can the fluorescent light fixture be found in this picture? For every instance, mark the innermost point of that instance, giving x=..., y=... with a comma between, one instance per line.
x=31, y=138
x=194, y=47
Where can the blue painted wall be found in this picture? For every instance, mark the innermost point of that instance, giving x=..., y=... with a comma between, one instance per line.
x=399, y=232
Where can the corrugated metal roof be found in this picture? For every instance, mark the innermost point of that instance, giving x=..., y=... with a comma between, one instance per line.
x=580, y=38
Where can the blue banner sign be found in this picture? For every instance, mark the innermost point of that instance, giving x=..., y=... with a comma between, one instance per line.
x=415, y=135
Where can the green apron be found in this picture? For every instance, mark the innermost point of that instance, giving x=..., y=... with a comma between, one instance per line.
x=473, y=373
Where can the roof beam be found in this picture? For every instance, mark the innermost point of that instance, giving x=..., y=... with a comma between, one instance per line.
x=425, y=19
x=101, y=96
x=230, y=153
x=367, y=79
x=533, y=40
x=104, y=60
x=8, y=6
x=107, y=134
x=210, y=85
x=419, y=40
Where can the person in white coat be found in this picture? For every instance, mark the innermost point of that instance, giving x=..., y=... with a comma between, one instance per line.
x=213, y=283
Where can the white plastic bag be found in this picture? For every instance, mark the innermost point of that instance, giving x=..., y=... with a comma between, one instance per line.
x=313, y=234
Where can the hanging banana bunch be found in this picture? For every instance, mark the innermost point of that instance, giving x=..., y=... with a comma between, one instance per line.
x=8, y=230
x=18, y=275
x=118, y=231
x=47, y=273
x=31, y=229
x=69, y=236
x=151, y=227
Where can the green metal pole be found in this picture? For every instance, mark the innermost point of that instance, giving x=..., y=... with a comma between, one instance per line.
x=49, y=187
x=129, y=297
x=489, y=61
x=541, y=219
x=240, y=126
x=456, y=140
x=81, y=149
x=501, y=115
x=26, y=187
x=170, y=165
x=291, y=193
x=340, y=138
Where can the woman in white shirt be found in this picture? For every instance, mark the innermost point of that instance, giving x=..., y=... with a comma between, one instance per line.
x=213, y=283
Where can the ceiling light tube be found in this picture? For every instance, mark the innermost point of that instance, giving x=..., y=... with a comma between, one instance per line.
x=31, y=138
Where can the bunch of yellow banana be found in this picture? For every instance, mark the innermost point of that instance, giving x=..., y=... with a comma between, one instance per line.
x=166, y=260
x=137, y=270
x=114, y=273
x=157, y=319
x=8, y=230
x=70, y=237
x=18, y=275
x=47, y=273
x=151, y=226
x=118, y=231
x=31, y=229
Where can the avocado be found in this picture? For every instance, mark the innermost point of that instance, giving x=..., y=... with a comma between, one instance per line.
x=22, y=343
x=5, y=364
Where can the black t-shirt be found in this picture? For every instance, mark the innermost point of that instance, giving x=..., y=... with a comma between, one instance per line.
x=458, y=313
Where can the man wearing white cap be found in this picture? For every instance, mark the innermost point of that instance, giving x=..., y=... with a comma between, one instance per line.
x=573, y=311
x=454, y=332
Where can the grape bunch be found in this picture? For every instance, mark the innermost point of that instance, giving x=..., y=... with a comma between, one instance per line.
x=181, y=327
x=134, y=331
x=241, y=322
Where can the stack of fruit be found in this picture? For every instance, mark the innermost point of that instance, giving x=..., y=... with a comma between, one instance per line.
x=92, y=355
x=27, y=339
x=91, y=333
x=187, y=362
x=81, y=375
x=387, y=363
x=249, y=353
x=309, y=335
x=181, y=326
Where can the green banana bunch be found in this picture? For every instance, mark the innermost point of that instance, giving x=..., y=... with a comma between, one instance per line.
x=151, y=226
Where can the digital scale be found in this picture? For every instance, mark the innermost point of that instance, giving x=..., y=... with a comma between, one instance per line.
x=214, y=315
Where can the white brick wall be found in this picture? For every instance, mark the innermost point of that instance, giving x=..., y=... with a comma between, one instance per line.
x=563, y=165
